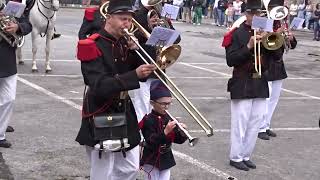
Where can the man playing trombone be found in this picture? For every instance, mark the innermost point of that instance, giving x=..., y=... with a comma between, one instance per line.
x=247, y=88
x=110, y=69
x=276, y=70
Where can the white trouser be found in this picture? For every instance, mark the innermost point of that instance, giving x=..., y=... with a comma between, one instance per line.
x=8, y=88
x=272, y=101
x=113, y=166
x=141, y=99
x=246, y=117
x=153, y=173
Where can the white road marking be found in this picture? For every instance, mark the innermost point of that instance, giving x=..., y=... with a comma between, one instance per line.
x=205, y=69
x=49, y=93
x=275, y=129
x=222, y=98
x=172, y=77
x=224, y=74
x=51, y=75
x=185, y=157
x=203, y=166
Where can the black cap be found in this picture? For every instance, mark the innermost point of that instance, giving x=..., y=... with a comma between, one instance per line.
x=253, y=5
x=119, y=6
x=274, y=3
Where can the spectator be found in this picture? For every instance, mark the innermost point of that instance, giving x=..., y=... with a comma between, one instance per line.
x=308, y=13
x=237, y=9
x=215, y=12
x=301, y=9
x=293, y=10
x=316, y=26
x=222, y=6
x=197, y=8
x=186, y=12
x=230, y=15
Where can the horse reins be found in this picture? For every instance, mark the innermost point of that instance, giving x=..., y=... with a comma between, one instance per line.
x=48, y=18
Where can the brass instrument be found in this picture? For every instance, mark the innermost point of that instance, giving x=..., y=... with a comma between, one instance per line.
x=166, y=55
x=12, y=39
x=192, y=140
x=175, y=91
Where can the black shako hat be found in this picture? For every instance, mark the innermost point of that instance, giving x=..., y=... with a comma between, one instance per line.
x=158, y=90
x=119, y=6
x=253, y=5
x=274, y=3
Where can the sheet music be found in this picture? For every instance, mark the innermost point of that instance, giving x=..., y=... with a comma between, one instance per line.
x=262, y=23
x=14, y=9
x=161, y=36
x=296, y=23
x=170, y=11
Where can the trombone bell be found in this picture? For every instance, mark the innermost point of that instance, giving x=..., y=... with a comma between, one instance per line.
x=169, y=55
x=273, y=41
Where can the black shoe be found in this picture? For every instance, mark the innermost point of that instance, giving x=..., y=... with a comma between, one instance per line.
x=55, y=36
x=5, y=144
x=9, y=129
x=271, y=133
x=263, y=136
x=250, y=164
x=239, y=165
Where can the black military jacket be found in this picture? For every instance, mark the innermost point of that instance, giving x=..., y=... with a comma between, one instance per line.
x=8, y=65
x=274, y=63
x=243, y=85
x=153, y=132
x=90, y=27
x=106, y=77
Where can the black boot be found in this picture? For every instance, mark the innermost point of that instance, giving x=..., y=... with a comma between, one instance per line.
x=263, y=136
x=250, y=164
x=5, y=144
x=239, y=165
x=9, y=129
x=271, y=133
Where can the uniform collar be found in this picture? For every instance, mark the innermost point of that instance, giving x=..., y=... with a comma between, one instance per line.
x=153, y=112
x=106, y=35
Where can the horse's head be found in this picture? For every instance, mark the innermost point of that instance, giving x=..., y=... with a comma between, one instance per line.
x=51, y=4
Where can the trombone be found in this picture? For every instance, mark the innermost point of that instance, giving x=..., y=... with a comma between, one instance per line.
x=175, y=91
x=192, y=140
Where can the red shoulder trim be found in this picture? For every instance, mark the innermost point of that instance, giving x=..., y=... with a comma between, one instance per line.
x=89, y=13
x=141, y=123
x=227, y=38
x=87, y=48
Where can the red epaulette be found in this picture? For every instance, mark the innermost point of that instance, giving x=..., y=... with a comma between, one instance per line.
x=87, y=48
x=227, y=38
x=89, y=13
x=141, y=123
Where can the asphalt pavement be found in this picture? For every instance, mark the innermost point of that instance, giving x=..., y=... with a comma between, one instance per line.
x=47, y=112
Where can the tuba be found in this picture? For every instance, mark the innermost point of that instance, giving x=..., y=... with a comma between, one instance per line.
x=12, y=39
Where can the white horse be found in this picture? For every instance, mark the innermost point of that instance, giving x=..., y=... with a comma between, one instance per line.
x=43, y=18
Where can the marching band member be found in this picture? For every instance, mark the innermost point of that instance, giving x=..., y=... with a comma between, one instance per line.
x=275, y=75
x=8, y=74
x=159, y=133
x=109, y=68
x=142, y=96
x=248, y=91
x=92, y=21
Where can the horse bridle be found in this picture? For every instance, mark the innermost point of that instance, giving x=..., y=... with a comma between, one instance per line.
x=48, y=18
